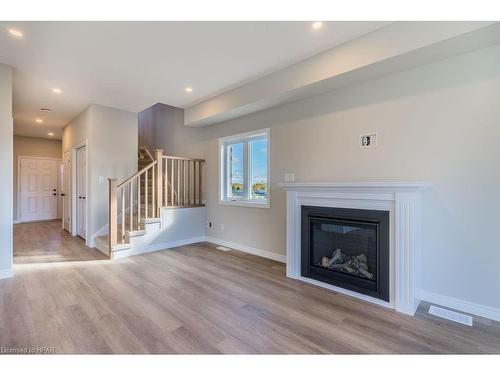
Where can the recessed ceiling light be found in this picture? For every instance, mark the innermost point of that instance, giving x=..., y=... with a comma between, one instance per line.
x=16, y=33
x=188, y=89
x=317, y=25
x=50, y=134
x=39, y=120
x=56, y=90
x=45, y=109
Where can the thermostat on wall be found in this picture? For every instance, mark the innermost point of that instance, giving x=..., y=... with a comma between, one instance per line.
x=368, y=140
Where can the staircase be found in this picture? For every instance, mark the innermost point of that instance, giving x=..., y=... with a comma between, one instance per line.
x=136, y=204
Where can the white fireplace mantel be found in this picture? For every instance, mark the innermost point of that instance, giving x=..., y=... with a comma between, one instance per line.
x=401, y=199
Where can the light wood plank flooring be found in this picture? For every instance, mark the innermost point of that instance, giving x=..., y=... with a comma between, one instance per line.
x=45, y=241
x=195, y=299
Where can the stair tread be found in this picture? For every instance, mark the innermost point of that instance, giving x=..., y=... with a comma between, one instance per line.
x=151, y=220
x=136, y=233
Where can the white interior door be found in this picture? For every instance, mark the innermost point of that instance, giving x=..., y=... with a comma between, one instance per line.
x=66, y=191
x=39, y=184
x=59, y=189
x=81, y=192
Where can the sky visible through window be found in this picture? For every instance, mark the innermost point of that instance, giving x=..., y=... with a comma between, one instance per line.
x=237, y=163
x=258, y=152
x=259, y=161
x=259, y=168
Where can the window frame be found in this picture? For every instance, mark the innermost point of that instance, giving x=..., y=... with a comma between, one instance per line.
x=244, y=138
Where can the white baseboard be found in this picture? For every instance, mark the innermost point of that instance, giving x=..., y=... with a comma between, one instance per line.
x=189, y=241
x=6, y=273
x=247, y=249
x=169, y=245
x=461, y=305
x=156, y=247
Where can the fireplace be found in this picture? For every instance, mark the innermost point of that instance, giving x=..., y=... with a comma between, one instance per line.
x=348, y=248
x=393, y=207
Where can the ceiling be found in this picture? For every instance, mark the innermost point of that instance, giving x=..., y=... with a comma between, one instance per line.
x=133, y=65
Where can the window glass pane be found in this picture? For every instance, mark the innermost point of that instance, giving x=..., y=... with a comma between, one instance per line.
x=236, y=172
x=258, y=169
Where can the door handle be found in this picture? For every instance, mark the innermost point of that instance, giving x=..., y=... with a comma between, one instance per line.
x=79, y=197
x=63, y=195
x=54, y=194
x=83, y=197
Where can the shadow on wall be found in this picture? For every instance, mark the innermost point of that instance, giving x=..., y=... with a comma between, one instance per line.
x=474, y=67
x=162, y=126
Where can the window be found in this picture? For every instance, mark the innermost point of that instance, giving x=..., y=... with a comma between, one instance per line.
x=244, y=169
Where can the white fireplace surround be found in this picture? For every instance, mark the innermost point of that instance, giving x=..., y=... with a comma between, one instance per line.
x=401, y=199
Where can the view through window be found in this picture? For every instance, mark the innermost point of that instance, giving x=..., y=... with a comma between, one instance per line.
x=244, y=168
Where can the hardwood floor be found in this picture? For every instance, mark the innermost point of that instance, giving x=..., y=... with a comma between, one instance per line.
x=195, y=299
x=45, y=241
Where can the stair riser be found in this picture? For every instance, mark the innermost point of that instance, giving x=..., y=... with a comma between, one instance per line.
x=152, y=227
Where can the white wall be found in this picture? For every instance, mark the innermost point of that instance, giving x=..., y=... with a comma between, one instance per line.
x=29, y=146
x=6, y=198
x=436, y=123
x=111, y=136
x=76, y=132
x=181, y=225
x=112, y=154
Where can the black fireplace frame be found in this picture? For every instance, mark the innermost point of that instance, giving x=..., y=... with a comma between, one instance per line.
x=378, y=288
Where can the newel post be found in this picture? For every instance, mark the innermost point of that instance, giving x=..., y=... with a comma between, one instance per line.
x=159, y=180
x=113, y=214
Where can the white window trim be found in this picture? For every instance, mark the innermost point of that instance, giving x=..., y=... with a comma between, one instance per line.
x=222, y=179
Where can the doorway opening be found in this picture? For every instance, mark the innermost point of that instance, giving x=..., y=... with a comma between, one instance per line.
x=50, y=215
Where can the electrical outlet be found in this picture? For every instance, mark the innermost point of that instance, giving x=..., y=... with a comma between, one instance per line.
x=368, y=140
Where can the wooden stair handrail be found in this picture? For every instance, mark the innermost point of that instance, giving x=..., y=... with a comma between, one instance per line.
x=153, y=187
x=181, y=158
x=143, y=170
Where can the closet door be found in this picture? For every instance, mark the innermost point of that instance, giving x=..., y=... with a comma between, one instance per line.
x=66, y=191
x=81, y=191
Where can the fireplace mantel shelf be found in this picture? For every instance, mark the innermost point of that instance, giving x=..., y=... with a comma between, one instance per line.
x=390, y=185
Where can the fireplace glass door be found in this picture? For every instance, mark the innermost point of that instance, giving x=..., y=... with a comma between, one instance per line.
x=347, y=247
